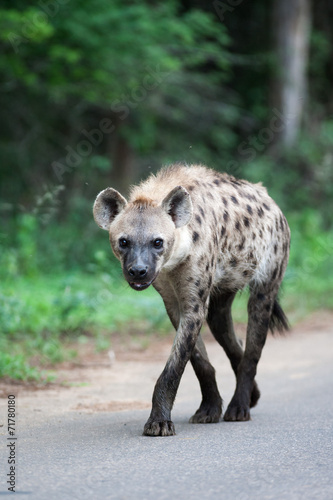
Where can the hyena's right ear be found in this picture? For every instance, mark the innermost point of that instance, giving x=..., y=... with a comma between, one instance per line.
x=178, y=205
x=108, y=204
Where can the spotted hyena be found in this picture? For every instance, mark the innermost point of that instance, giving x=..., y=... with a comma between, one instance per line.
x=199, y=236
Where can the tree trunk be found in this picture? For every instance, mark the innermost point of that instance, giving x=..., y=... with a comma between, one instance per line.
x=291, y=30
x=123, y=160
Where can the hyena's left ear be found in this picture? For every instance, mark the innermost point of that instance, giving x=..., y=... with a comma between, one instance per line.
x=178, y=205
x=108, y=204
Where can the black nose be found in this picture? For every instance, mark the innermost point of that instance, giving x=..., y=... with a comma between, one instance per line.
x=138, y=271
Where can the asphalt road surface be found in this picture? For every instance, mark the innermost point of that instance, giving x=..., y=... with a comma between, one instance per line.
x=284, y=452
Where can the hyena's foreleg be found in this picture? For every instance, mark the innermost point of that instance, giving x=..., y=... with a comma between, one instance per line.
x=211, y=406
x=221, y=325
x=159, y=422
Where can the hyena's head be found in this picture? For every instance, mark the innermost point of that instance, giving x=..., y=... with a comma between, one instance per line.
x=143, y=232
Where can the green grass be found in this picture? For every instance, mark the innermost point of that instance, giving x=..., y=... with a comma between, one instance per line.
x=42, y=315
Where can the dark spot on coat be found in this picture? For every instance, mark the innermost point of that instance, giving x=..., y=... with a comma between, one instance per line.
x=245, y=273
x=222, y=231
x=210, y=282
x=242, y=243
x=214, y=217
x=225, y=216
x=275, y=273
x=246, y=222
x=225, y=201
x=191, y=326
x=260, y=212
x=260, y=296
x=189, y=343
x=249, y=209
x=281, y=223
x=182, y=353
x=275, y=248
x=233, y=262
x=207, y=267
x=238, y=226
x=195, y=236
x=197, y=283
x=198, y=218
x=217, y=182
x=266, y=206
x=250, y=197
x=234, y=200
x=254, y=236
x=267, y=307
x=196, y=308
x=260, y=233
x=190, y=188
x=201, y=293
x=202, y=212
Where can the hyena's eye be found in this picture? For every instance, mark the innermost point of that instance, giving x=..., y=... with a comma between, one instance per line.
x=158, y=243
x=123, y=243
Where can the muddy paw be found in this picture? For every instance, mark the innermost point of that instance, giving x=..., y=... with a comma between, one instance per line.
x=164, y=428
x=237, y=412
x=206, y=415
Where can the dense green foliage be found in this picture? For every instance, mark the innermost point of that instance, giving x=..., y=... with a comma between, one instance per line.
x=102, y=93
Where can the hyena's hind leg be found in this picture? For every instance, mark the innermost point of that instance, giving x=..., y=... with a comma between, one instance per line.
x=264, y=312
x=210, y=409
x=221, y=325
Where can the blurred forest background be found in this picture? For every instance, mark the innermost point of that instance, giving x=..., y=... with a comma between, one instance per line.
x=97, y=94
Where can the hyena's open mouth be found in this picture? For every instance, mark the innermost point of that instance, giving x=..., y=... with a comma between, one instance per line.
x=140, y=286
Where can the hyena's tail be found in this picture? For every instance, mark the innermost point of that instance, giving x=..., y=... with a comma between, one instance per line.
x=278, y=319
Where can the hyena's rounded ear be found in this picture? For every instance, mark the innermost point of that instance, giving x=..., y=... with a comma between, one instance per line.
x=178, y=205
x=108, y=204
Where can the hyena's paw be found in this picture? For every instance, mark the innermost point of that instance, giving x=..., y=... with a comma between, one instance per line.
x=237, y=412
x=207, y=414
x=255, y=395
x=163, y=428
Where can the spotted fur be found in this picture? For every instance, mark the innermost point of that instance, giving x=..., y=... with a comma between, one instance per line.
x=220, y=235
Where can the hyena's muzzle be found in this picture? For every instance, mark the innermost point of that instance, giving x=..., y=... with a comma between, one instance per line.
x=139, y=267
